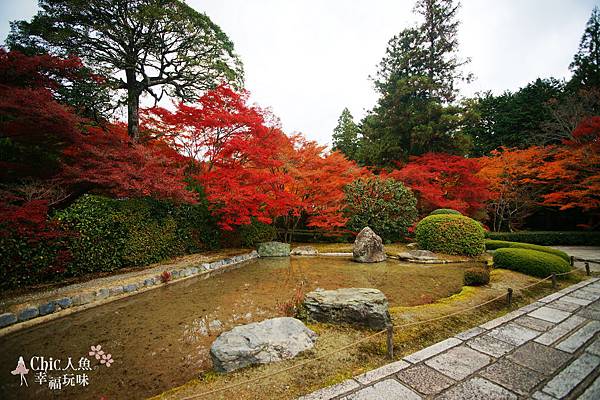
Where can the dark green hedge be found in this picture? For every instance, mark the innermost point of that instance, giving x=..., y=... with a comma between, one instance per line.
x=549, y=238
x=441, y=211
x=530, y=262
x=450, y=234
x=500, y=244
x=477, y=276
x=256, y=232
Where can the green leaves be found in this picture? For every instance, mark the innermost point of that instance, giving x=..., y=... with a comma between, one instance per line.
x=450, y=234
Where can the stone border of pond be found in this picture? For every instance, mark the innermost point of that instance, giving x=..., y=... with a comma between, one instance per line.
x=38, y=313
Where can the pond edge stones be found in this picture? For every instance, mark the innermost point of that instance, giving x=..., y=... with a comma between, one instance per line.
x=368, y=247
x=262, y=342
x=364, y=307
x=274, y=249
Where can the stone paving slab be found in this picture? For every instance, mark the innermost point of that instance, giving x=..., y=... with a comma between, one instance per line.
x=547, y=350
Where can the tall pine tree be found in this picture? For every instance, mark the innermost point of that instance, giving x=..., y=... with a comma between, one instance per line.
x=586, y=63
x=345, y=135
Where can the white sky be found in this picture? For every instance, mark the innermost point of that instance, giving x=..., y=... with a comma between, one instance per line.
x=309, y=59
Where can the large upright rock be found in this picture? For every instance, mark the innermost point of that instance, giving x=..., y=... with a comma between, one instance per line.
x=368, y=247
x=261, y=343
x=274, y=249
x=353, y=306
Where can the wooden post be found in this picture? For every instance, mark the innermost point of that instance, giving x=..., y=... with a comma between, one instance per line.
x=390, y=341
x=587, y=268
x=553, y=281
x=572, y=261
x=509, y=295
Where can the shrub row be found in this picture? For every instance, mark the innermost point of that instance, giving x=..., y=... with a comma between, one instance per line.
x=500, y=244
x=441, y=211
x=530, y=262
x=450, y=234
x=549, y=238
x=103, y=234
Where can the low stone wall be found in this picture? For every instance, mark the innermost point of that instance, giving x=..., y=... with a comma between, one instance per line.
x=101, y=295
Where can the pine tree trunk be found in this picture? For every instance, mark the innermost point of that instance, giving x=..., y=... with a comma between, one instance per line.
x=133, y=106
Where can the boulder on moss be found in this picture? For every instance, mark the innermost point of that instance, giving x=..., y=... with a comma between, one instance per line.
x=304, y=251
x=368, y=247
x=352, y=306
x=262, y=342
x=274, y=249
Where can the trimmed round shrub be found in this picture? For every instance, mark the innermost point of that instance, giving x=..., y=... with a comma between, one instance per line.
x=256, y=232
x=530, y=262
x=477, y=276
x=450, y=234
x=501, y=244
x=442, y=211
x=385, y=205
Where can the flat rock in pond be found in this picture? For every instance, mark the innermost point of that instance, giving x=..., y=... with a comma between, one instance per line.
x=261, y=343
x=353, y=306
x=273, y=249
x=419, y=256
x=368, y=247
x=304, y=251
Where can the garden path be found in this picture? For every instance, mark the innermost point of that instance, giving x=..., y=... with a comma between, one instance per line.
x=547, y=350
x=585, y=252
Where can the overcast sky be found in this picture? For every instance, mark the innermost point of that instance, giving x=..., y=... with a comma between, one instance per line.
x=309, y=59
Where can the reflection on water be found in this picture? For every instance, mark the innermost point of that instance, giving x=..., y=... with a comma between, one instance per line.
x=161, y=338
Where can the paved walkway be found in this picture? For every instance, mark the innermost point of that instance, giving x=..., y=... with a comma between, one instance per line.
x=547, y=350
x=585, y=252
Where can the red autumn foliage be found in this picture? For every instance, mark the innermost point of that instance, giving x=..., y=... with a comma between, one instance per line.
x=445, y=181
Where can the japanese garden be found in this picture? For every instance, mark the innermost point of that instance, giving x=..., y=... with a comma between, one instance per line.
x=164, y=235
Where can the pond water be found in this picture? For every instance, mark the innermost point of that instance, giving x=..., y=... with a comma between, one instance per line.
x=161, y=338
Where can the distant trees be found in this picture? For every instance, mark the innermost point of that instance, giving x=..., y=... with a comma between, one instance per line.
x=345, y=135
x=586, y=63
x=152, y=47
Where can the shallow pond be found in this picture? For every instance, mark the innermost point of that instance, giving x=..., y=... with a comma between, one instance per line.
x=161, y=338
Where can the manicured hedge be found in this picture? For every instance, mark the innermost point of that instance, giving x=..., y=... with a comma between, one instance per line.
x=530, y=262
x=256, y=232
x=500, y=244
x=477, y=276
x=450, y=234
x=111, y=234
x=441, y=211
x=549, y=238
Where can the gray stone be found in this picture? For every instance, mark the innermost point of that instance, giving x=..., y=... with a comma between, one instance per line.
x=542, y=396
x=531, y=307
x=424, y=379
x=550, y=314
x=512, y=376
x=28, y=313
x=513, y=334
x=590, y=312
x=560, y=330
x=413, y=246
x=477, y=389
x=489, y=345
x=332, y=391
x=47, y=308
x=424, y=256
x=381, y=372
x=132, y=287
x=174, y=275
x=261, y=343
x=116, y=290
x=551, y=297
x=432, y=350
x=304, y=251
x=567, y=379
x=7, y=319
x=194, y=270
x=579, y=337
x=534, y=323
x=368, y=247
x=353, y=306
x=458, y=362
x=103, y=293
x=576, y=300
x=594, y=348
x=389, y=389
x=564, y=305
x=505, y=318
x=215, y=325
x=470, y=333
x=540, y=358
x=592, y=392
x=83, y=298
x=585, y=295
x=273, y=249
x=149, y=282
x=65, y=302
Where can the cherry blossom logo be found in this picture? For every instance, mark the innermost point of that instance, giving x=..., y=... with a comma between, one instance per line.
x=96, y=351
